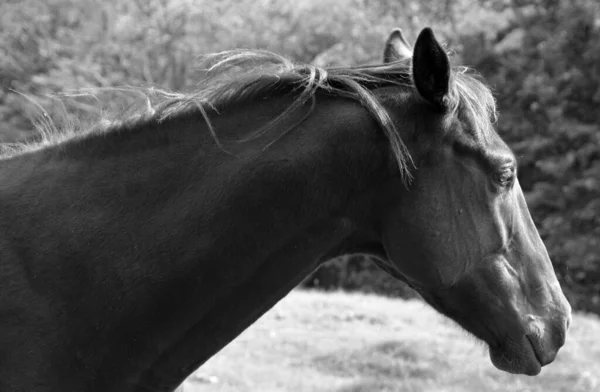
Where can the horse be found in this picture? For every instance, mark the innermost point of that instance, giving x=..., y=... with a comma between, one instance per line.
x=132, y=251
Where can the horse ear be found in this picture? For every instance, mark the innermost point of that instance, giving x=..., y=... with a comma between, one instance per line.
x=431, y=69
x=396, y=47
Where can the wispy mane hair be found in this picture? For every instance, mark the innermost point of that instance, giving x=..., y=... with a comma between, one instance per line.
x=237, y=75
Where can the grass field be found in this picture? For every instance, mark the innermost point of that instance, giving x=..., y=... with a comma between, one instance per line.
x=313, y=341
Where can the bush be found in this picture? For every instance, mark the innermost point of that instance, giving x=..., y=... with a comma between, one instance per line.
x=541, y=57
x=549, y=92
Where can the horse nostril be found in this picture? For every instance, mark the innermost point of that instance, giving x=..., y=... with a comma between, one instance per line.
x=558, y=340
x=568, y=322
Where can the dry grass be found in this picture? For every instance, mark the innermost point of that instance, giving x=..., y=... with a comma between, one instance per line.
x=341, y=342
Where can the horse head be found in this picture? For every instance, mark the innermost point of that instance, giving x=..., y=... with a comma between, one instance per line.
x=461, y=234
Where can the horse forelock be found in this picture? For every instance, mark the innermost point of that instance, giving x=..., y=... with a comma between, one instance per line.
x=471, y=97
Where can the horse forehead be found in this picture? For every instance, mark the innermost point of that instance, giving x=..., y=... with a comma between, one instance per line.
x=489, y=140
x=481, y=139
x=473, y=125
x=493, y=143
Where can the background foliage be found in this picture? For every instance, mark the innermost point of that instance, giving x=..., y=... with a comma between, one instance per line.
x=542, y=58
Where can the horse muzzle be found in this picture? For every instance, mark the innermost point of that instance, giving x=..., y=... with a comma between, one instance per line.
x=536, y=348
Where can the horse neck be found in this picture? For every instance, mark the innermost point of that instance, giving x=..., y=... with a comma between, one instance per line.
x=152, y=248
x=283, y=208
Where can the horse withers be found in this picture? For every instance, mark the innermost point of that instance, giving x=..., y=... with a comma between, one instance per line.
x=133, y=252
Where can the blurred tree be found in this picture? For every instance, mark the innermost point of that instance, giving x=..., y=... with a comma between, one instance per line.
x=541, y=57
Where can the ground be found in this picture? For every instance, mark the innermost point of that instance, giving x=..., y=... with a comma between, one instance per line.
x=315, y=341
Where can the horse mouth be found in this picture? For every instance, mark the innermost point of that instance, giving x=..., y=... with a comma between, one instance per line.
x=535, y=350
x=517, y=358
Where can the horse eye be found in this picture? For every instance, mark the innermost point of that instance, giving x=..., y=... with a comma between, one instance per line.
x=505, y=177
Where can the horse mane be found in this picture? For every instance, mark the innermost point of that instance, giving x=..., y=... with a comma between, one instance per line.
x=237, y=75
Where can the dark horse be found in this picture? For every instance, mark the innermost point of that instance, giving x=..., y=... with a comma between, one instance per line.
x=131, y=253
